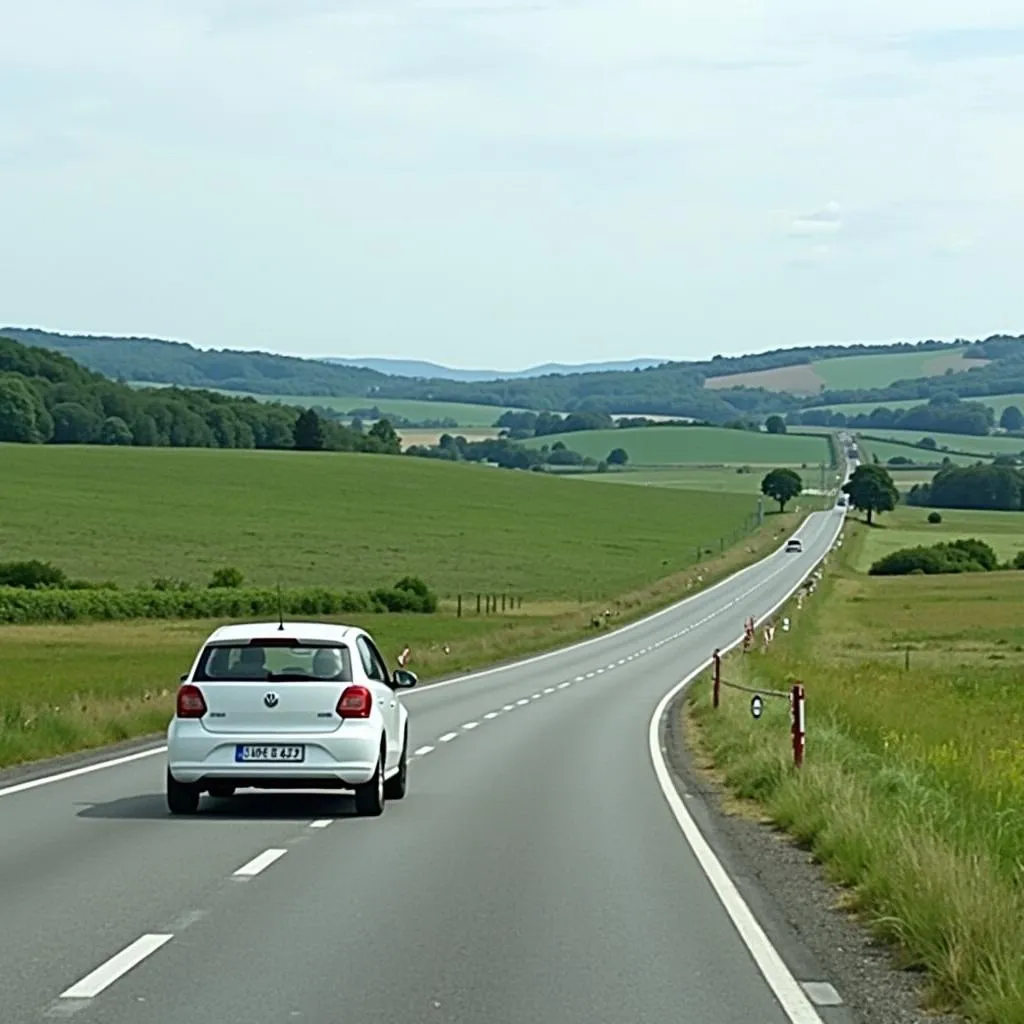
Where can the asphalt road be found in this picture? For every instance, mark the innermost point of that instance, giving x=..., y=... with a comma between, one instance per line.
x=537, y=871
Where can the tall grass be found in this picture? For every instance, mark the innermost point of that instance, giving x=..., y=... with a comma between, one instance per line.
x=913, y=784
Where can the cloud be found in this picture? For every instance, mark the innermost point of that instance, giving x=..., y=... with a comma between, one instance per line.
x=827, y=220
x=571, y=179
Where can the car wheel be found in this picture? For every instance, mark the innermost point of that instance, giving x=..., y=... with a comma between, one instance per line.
x=370, y=795
x=182, y=798
x=395, y=787
x=221, y=791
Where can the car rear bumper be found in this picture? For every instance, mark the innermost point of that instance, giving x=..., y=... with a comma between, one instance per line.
x=338, y=760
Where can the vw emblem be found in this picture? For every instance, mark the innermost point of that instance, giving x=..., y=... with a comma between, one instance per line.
x=271, y=699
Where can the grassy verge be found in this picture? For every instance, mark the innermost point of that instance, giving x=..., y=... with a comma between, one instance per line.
x=914, y=778
x=68, y=688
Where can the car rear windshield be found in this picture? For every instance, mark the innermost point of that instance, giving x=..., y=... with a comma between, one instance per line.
x=274, y=662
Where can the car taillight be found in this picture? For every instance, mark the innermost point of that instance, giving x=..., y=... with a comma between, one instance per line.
x=355, y=702
x=191, y=703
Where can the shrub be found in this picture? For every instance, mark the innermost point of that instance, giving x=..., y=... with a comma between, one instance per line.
x=964, y=555
x=22, y=605
x=934, y=518
x=1018, y=560
x=31, y=575
x=227, y=577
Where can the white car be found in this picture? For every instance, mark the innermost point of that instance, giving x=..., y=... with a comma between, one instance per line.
x=301, y=705
x=794, y=544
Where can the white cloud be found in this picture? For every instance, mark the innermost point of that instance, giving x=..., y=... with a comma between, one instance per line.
x=572, y=179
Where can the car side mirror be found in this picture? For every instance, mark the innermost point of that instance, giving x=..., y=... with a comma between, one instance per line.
x=183, y=677
x=404, y=679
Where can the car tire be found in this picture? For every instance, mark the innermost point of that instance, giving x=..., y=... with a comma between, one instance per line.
x=182, y=798
x=221, y=791
x=370, y=795
x=395, y=787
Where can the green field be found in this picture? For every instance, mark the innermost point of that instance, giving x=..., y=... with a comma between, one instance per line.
x=465, y=414
x=700, y=478
x=886, y=450
x=345, y=521
x=908, y=526
x=914, y=773
x=852, y=372
x=849, y=372
x=997, y=402
x=666, y=446
x=994, y=444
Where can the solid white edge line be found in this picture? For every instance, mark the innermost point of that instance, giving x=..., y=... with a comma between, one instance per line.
x=259, y=863
x=119, y=964
x=787, y=989
x=72, y=773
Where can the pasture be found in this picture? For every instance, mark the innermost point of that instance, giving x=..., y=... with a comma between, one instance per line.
x=345, y=521
x=667, y=446
x=886, y=450
x=849, y=372
x=994, y=444
x=907, y=526
x=915, y=757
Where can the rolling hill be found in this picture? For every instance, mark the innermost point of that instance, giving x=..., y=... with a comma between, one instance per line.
x=435, y=371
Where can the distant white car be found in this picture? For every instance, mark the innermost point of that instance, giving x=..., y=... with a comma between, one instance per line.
x=794, y=544
x=302, y=705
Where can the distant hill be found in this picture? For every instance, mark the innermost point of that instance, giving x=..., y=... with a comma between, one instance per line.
x=718, y=390
x=435, y=371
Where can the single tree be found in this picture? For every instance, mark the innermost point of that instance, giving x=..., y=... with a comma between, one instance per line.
x=309, y=432
x=782, y=485
x=871, y=489
x=386, y=437
x=617, y=457
x=775, y=425
x=1012, y=418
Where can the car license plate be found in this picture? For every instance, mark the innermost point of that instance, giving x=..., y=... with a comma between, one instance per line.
x=269, y=752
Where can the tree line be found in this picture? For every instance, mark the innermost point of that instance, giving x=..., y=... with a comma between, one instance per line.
x=48, y=398
x=993, y=487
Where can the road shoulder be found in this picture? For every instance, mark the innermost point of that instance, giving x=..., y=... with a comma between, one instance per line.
x=799, y=909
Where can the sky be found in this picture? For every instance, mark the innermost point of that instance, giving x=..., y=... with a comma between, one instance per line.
x=505, y=182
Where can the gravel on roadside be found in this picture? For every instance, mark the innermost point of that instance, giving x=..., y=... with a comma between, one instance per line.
x=800, y=895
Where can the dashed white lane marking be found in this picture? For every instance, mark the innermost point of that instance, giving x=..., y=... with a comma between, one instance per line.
x=470, y=725
x=509, y=707
x=119, y=964
x=420, y=751
x=259, y=863
x=536, y=696
x=491, y=714
x=321, y=823
x=579, y=679
x=562, y=686
x=522, y=702
x=448, y=737
x=549, y=689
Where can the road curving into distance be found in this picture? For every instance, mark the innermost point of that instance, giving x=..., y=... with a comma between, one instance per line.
x=543, y=868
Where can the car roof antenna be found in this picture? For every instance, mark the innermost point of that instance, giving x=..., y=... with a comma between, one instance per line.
x=280, y=609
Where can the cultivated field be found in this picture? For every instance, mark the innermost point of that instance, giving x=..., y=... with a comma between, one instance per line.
x=865, y=371
x=666, y=446
x=739, y=480
x=997, y=402
x=915, y=756
x=465, y=414
x=343, y=521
